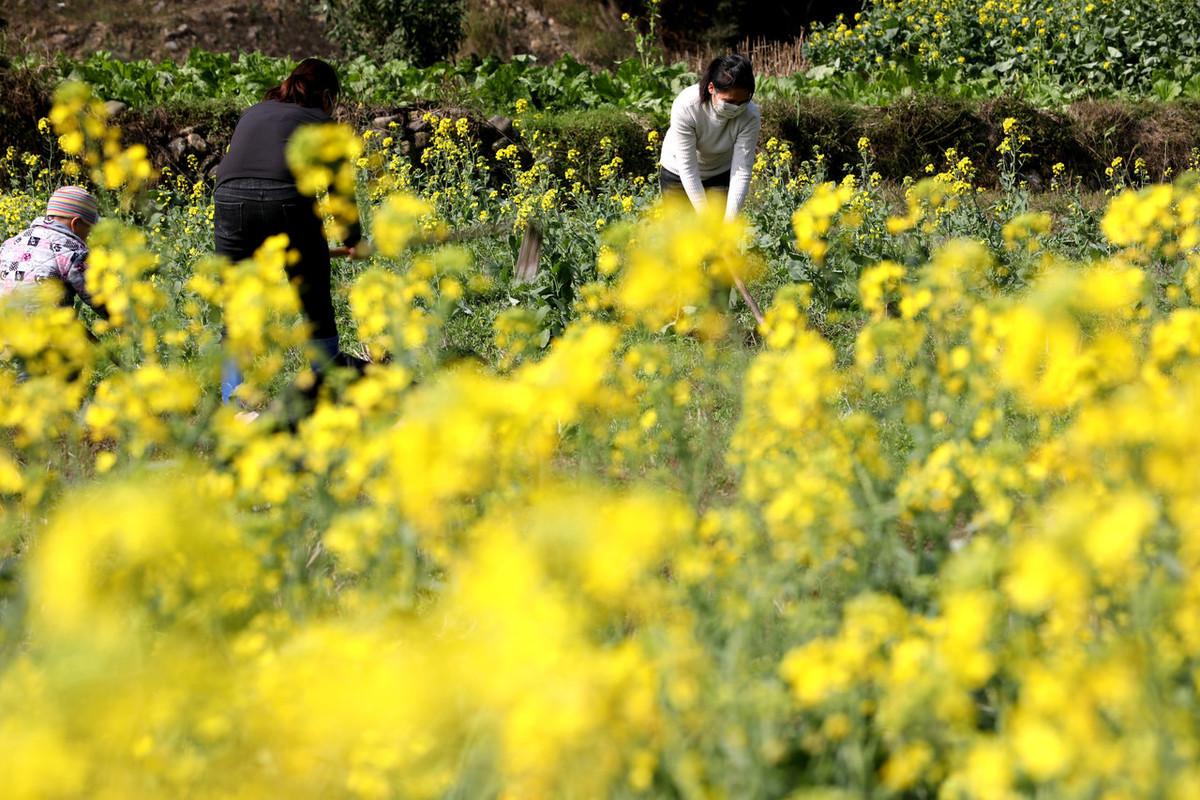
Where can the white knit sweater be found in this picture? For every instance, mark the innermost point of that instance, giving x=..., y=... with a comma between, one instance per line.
x=699, y=145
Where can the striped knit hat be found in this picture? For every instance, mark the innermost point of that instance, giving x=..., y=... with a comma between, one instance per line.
x=73, y=201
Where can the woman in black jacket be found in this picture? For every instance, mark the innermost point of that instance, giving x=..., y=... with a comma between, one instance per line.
x=256, y=197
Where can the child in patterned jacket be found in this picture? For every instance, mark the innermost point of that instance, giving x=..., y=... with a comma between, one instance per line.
x=53, y=247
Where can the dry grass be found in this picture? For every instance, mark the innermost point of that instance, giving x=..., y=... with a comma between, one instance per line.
x=590, y=30
x=1164, y=135
x=768, y=58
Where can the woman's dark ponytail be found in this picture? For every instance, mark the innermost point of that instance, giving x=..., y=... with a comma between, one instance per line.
x=311, y=83
x=725, y=73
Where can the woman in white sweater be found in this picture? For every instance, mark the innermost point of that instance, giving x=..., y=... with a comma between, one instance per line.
x=713, y=135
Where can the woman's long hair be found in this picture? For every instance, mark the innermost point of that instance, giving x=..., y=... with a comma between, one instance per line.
x=312, y=84
x=727, y=72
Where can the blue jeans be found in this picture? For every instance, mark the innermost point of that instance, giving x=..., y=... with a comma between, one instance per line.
x=231, y=376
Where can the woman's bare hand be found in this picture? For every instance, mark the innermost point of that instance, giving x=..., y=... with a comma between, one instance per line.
x=361, y=250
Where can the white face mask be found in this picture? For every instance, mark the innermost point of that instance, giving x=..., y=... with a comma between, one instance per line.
x=726, y=110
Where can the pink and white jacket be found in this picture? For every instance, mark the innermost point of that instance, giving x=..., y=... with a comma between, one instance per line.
x=46, y=249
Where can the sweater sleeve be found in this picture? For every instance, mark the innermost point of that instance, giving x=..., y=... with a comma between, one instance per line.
x=742, y=166
x=681, y=139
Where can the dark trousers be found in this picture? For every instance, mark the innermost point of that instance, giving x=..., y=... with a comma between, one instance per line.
x=669, y=182
x=248, y=210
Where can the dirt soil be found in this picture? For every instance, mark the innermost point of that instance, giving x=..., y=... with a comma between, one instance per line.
x=160, y=29
x=157, y=29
